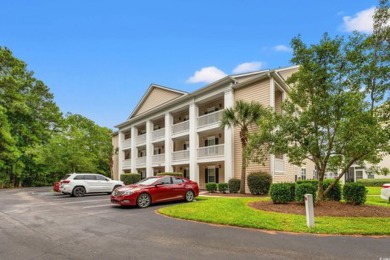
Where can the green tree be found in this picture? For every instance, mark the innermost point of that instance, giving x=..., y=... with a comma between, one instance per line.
x=30, y=113
x=335, y=115
x=244, y=116
x=80, y=146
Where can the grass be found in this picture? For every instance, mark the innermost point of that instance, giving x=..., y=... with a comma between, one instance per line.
x=374, y=190
x=235, y=212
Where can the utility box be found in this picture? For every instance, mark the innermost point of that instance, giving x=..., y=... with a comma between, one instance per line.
x=309, y=206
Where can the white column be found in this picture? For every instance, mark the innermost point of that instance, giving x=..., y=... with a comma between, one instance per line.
x=229, y=139
x=272, y=105
x=120, y=154
x=194, y=142
x=134, y=133
x=168, y=142
x=149, y=148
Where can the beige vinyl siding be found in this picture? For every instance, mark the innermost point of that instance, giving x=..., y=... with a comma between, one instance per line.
x=287, y=73
x=155, y=98
x=278, y=101
x=258, y=92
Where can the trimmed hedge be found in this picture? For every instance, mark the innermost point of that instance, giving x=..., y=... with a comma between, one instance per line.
x=354, y=193
x=280, y=193
x=292, y=189
x=302, y=189
x=222, y=187
x=130, y=178
x=373, y=182
x=335, y=193
x=178, y=174
x=234, y=185
x=211, y=187
x=259, y=182
x=313, y=182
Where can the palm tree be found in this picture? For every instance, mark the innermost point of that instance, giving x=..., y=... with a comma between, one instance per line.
x=243, y=115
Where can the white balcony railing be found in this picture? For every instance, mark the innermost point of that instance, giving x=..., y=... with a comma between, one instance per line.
x=126, y=143
x=180, y=127
x=209, y=119
x=158, y=158
x=279, y=165
x=141, y=161
x=126, y=163
x=157, y=134
x=211, y=151
x=181, y=155
x=141, y=139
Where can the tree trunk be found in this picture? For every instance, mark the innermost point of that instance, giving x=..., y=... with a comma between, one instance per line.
x=320, y=189
x=243, y=170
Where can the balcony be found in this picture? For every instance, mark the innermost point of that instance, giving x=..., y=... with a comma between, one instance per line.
x=279, y=165
x=158, y=134
x=210, y=119
x=126, y=163
x=183, y=155
x=141, y=139
x=211, y=151
x=126, y=143
x=158, y=159
x=141, y=161
x=180, y=127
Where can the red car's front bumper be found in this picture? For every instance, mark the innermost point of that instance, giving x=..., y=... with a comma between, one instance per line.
x=123, y=200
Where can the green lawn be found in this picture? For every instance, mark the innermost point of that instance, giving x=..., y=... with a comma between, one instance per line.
x=374, y=190
x=235, y=212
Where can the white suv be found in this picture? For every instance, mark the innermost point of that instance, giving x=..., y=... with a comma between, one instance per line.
x=78, y=184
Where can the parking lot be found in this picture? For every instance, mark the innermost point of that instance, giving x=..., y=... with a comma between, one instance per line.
x=36, y=223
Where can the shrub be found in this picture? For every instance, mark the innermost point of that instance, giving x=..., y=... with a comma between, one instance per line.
x=222, y=187
x=373, y=182
x=312, y=182
x=354, y=193
x=292, y=190
x=211, y=187
x=130, y=178
x=177, y=174
x=302, y=189
x=259, y=182
x=335, y=192
x=280, y=193
x=234, y=185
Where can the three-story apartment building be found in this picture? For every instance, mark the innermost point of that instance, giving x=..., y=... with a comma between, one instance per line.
x=175, y=131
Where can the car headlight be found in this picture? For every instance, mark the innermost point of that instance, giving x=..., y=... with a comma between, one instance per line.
x=129, y=192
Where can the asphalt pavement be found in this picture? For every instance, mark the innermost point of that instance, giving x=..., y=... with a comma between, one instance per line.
x=37, y=223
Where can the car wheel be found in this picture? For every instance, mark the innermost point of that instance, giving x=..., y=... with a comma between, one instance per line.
x=189, y=196
x=143, y=200
x=78, y=192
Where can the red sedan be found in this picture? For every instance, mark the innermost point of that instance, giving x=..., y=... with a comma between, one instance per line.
x=155, y=189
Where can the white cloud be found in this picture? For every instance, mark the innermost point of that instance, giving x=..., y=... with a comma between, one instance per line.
x=248, y=67
x=206, y=75
x=362, y=21
x=282, y=48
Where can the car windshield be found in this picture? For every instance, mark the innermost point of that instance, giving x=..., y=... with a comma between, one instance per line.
x=148, y=181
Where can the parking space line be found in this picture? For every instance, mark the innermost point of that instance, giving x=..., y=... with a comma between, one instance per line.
x=97, y=206
x=84, y=201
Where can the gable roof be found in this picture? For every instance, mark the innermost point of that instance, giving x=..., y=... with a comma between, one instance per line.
x=154, y=96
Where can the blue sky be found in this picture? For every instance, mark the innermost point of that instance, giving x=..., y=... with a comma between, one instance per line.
x=99, y=57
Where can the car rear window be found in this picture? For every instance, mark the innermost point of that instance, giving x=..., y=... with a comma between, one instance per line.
x=65, y=177
x=100, y=178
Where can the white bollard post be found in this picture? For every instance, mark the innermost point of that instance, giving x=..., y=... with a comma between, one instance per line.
x=309, y=210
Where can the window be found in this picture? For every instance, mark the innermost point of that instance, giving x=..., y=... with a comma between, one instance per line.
x=100, y=178
x=90, y=177
x=165, y=180
x=127, y=135
x=79, y=177
x=211, y=174
x=177, y=180
x=186, y=145
x=127, y=154
x=303, y=173
x=157, y=150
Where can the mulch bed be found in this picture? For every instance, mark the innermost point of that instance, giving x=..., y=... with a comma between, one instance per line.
x=326, y=208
